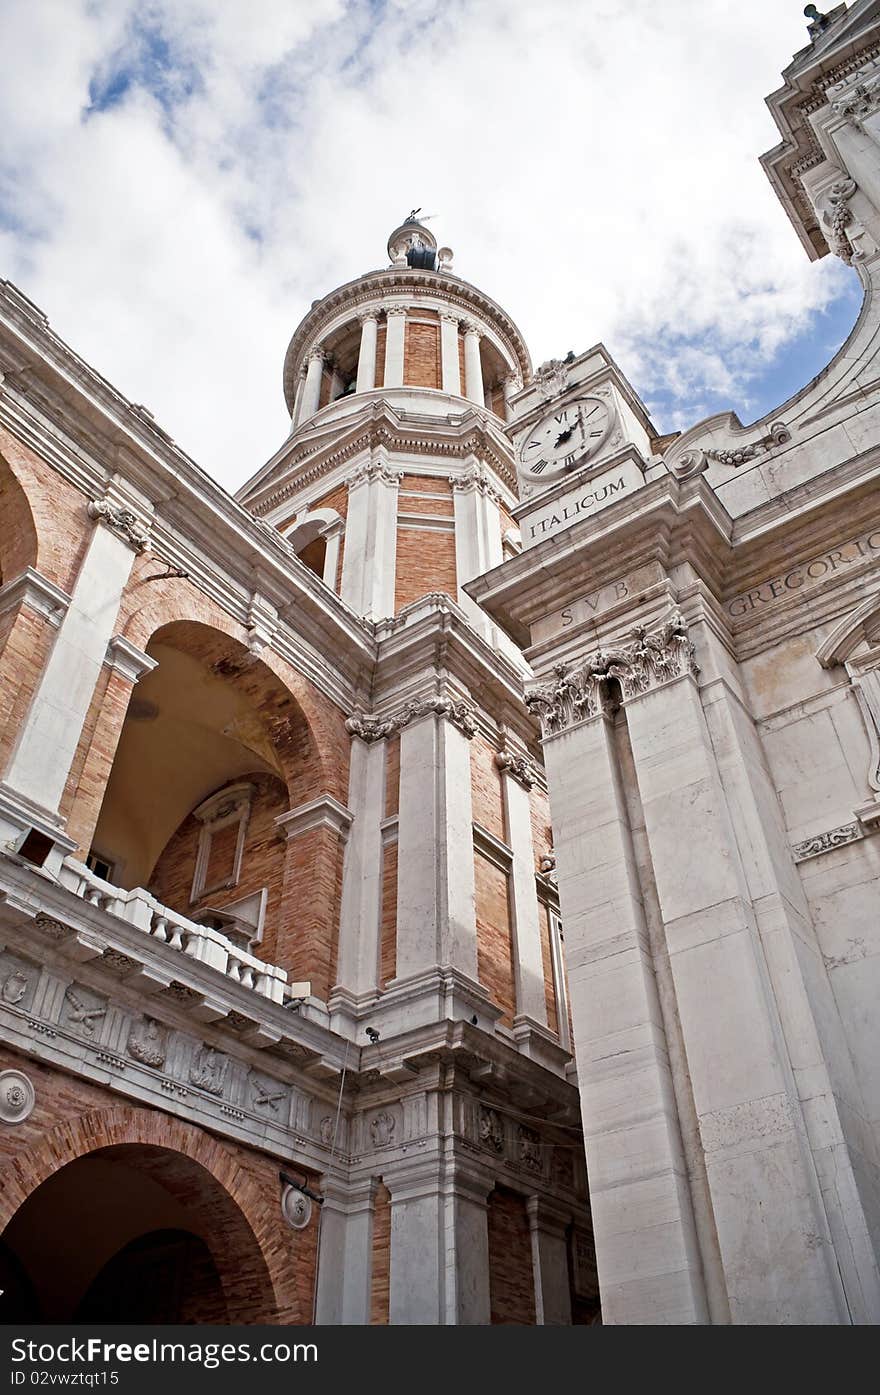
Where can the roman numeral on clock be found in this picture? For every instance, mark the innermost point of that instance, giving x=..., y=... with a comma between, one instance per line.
x=538, y=467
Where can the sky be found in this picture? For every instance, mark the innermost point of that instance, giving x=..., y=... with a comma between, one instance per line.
x=181, y=179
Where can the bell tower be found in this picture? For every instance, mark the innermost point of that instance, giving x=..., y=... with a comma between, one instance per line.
x=397, y=478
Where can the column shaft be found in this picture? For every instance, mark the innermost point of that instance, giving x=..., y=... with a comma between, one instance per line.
x=361, y=909
x=366, y=372
x=473, y=370
x=394, y=345
x=450, y=367
x=312, y=390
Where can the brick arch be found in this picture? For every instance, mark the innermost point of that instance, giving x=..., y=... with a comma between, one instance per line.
x=19, y=545
x=249, y=1236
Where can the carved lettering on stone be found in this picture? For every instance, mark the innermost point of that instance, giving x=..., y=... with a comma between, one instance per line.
x=208, y=1070
x=147, y=1043
x=382, y=1130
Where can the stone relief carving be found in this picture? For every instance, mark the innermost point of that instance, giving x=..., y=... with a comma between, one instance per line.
x=551, y=378
x=529, y=1148
x=208, y=1070
x=382, y=1130
x=147, y=1043
x=371, y=728
x=83, y=1013
x=296, y=1207
x=824, y=842
x=691, y=462
x=856, y=101
x=325, y=1130
x=17, y=1096
x=516, y=764
x=491, y=1129
x=55, y=929
x=15, y=985
x=838, y=216
x=652, y=658
x=122, y=521
x=267, y=1094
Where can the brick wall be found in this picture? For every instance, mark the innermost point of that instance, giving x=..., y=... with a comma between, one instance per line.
x=421, y=355
x=511, y=1284
x=494, y=947
x=380, y=1279
x=381, y=336
x=231, y=1192
x=425, y=562
x=486, y=788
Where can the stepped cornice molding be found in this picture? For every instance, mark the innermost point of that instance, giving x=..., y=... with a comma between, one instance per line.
x=381, y=427
x=363, y=293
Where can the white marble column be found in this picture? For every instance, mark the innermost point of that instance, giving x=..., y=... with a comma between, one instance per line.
x=516, y=781
x=473, y=369
x=436, y=898
x=345, y=1254
x=394, y=346
x=49, y=735
x=296, y=414
x=361, y=909
x=366, y=370
x=312, y=390
x=369, y=562
x=765, y=1194
x=511, y=385
x=439, y=1246
x=548, y=1230
x=332, y=536
x=450, y=367
x=647, y=1252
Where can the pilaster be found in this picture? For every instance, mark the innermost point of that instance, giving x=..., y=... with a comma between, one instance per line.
x=369, y=559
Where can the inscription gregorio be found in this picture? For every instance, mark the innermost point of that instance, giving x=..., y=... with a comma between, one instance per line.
x=807, y=574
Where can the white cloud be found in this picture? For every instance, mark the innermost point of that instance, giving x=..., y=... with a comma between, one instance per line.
x=594, y=166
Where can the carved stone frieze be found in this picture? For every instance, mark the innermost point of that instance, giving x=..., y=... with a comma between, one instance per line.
x=517, y=765
x=83, y=1011
x=122, y=521
x=208, y=1070
x=382, y=1129
x=652, y=658
x=266, y=1095
x=491, y=1129
x=824, y=842
x=529, y=1148
x=147, y=1043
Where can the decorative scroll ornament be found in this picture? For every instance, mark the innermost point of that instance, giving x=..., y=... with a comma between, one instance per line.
x=122, y=521
x=17, y=1097
x=651, y=659
x=837, y=218
x=824, y=842
x=372, y=470
x=371, y=728
x=296, y=1207
x=551, y=378
x=516, y=764
x=691, y=462
x=477, y=478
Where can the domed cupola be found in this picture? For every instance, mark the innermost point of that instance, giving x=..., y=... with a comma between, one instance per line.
x=412, y=333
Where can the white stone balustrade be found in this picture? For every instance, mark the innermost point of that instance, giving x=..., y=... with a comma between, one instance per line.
x=200, y=942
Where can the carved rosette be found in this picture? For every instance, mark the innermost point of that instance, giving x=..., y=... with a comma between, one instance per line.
x=517, y=765
x=122, y=521
x=652, y=658
x=372, y=728
x=296, y=1207
x=17, y=1097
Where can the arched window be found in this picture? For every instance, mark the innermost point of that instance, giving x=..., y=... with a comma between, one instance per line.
x=315, y=539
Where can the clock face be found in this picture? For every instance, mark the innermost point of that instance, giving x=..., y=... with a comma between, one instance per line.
x=565, y=438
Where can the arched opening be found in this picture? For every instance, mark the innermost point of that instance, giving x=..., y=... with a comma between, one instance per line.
x=213, y=750
x=134, y=1233
x=494, y=370
x=18, y=534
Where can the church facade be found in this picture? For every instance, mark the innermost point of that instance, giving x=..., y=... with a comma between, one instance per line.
x=439, y=884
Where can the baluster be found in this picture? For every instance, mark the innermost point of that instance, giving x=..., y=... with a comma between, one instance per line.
x=176, y=940
x=247, y=976
x=233, y=968
x=159, y=928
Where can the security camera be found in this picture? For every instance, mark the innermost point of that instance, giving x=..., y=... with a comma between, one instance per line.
x=372, y=1034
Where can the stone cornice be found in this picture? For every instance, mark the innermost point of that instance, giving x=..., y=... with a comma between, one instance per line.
x=325, y=812
x=380, y=426
x=127, y=660
x=440, y=287
x=579, y=691
x=38, y=593
x=372, y=728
